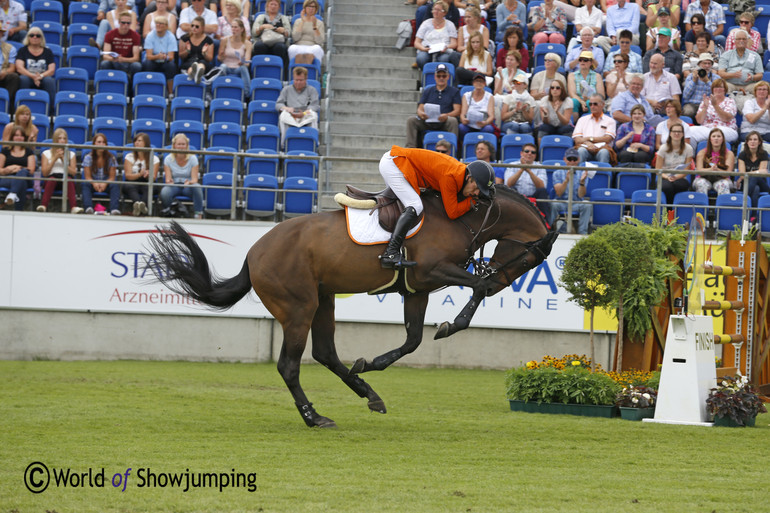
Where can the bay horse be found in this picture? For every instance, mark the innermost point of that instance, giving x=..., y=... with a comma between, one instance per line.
x=299, y=265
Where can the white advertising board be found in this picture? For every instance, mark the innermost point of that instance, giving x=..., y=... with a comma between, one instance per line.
x=63, y=262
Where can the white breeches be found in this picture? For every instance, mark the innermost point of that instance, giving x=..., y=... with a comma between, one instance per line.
x=398, y=183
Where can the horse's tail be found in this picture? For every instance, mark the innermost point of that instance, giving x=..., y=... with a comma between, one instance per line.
x=181, y=266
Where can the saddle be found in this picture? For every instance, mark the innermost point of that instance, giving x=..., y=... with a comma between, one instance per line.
x=384, y=201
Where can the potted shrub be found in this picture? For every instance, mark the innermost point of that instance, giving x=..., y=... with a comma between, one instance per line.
x=636, y=402
x=734, y=402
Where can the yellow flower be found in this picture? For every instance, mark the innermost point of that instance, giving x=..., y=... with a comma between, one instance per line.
x=575, y=363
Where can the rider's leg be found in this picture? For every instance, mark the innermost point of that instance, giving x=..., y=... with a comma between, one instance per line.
x=391, y=258
x=398, y=183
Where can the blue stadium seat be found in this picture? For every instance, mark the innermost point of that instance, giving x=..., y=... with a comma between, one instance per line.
x=646, y=211
x=225, y=134
x=729, y=211
x=606, y=213
x=764, y=217
x=46, y=10
x=110, y=105
x=184, y=87
x=302, y=138
x=5, y=100
x=187, y=109
x=71, y=103
x=114, y=129
x=301, y=167
x=71, y=79
x=601, y=180
x=259, y=164
x=86, y=57
x=58, y=53
x=150, y=82
x=265, y=89
x=52, y=31
x=223, y=110
x=228, y=86
x=473, y=138
x=630, y=182
x=219, y=163
x=76, y=127
x=152, y=127
x=299, y=196
x=313, y=69
x=37, y=100
x=43, y=124
x=552, y=147
x=261, y=194
x=687, y=203
x=5, y=118
x=79, y=34
x=263, y=136
x=511, y=145
x=544, y=48
x=192, y=129
x=429, y=70
x=111, y=81
x=82, y=12
x=217, y=201
x=267, y=66
x=262, y=112
x=148, y=106
x=430, y=139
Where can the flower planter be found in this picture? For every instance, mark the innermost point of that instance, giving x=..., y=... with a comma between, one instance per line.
x=585, y=410
x=728, y=422
x=628, y=413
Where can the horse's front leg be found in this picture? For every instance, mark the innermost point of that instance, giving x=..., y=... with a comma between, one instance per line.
x=414, y=320
x=463, y=319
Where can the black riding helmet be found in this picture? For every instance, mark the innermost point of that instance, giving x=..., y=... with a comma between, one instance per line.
x=483, y=175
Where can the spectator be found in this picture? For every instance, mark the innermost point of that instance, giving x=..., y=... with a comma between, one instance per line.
x=659, y=84
x=18, y=162
x=653, y=13
x=541, y=82
x=673, y=111
x=518, y=108
x=588, y=16
x=634, y=59
x=698, y=85
x=675, y=153
x=504, y=76
x=672, y=59
x=698, y=27
x=100, y=170
x=52, y=165
x=473, y=24
x=232, y=11
x=475, y=61
x=244, y=9
x=745, y=22
x=112, y=22
x=477, y=113
x=715, y=111
x=664, y=22
x=621, y=16
x=714, y=17
x=161, y=47
x=753, y=159
x=618, y=80
x=740, y=68
x=298, y=103
x=188, y=14
x=161, y=12
x=270, y=31
x=438, y=33
x=425, y=11
x=196, y=50
x=23, y=118
x=235, y=53
x=510, y=13
x=636, y=139
x=445, y=147
x=714, y=157
x=106, y=6
x=562, y=180
x=584, y=83
x=692, y=59
x=594, y=133
x=513, y=40
x=308, y=35
x=486, y=152
x=13, y=21
x=36, y=66
x=555, y=112
x=586, y=45
x=137, y=170
x=755, y=112
x=547, y=23
x=125, y=42
x=530, y=181
x=181, y=176
x=9, y=79
x=443, y=105
x=622, y=105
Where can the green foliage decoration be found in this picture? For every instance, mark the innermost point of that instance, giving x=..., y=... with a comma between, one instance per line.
x=574, y=385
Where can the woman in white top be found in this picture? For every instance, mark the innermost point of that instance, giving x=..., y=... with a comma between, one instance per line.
x=755, y=112
x=675, y=153
x=436, y=31
x=52, y=166
x=235, y=53
x=475, y=60
x=137, y=170
x=308, y=35
x=473, y=24
x=181, y=176
x=478, y=109
x=673, y=111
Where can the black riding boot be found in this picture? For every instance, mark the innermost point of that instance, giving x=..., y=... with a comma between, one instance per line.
x=391, y=258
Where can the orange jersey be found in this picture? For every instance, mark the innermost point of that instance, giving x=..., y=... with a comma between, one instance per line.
x=437, y=171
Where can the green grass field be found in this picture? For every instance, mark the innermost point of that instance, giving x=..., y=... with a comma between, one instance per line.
x=449, y=443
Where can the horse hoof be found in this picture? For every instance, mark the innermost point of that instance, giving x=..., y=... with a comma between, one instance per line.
x=324, y=422
x=358, y=367
x=378, y=406
x=443, y=331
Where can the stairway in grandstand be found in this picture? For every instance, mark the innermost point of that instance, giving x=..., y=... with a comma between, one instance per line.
x=372, y=89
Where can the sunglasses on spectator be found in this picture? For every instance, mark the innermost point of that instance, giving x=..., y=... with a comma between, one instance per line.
x=572, y=159
x=125, y=23
x=195, y=26
x=594, y=103
x=550, y=60
x=695, y=22
x=35, y=34
x=442, y=150
x=745, y=22
x=584, y=60
x=555, y=87
x=528, y=151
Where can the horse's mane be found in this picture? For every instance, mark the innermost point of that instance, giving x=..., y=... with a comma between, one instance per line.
x=431, y=197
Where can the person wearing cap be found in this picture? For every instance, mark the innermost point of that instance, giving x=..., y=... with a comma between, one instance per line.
x=586, y=45
x=741, y=68
x=584, y=83
x=477, y=113
x=529, y=181
x=563, y=179
x=518, y=109
x=673, y=60
x=622, y=16
x=746, y=22
x=664, y=16
x=653, y=12
x=406, y=170
x=697, y=85
x=448, y=100
x=713, y=15
x=691, y=59
x=594, y=132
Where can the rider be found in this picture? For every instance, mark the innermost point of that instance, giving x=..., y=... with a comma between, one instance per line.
x=406, y=170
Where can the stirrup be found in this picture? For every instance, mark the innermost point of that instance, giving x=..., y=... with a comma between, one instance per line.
x=395, y=261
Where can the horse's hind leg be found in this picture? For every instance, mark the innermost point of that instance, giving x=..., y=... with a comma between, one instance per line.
x=325, y=353
x=414, y=320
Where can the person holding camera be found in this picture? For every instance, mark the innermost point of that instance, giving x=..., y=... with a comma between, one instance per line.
x=697, y=85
